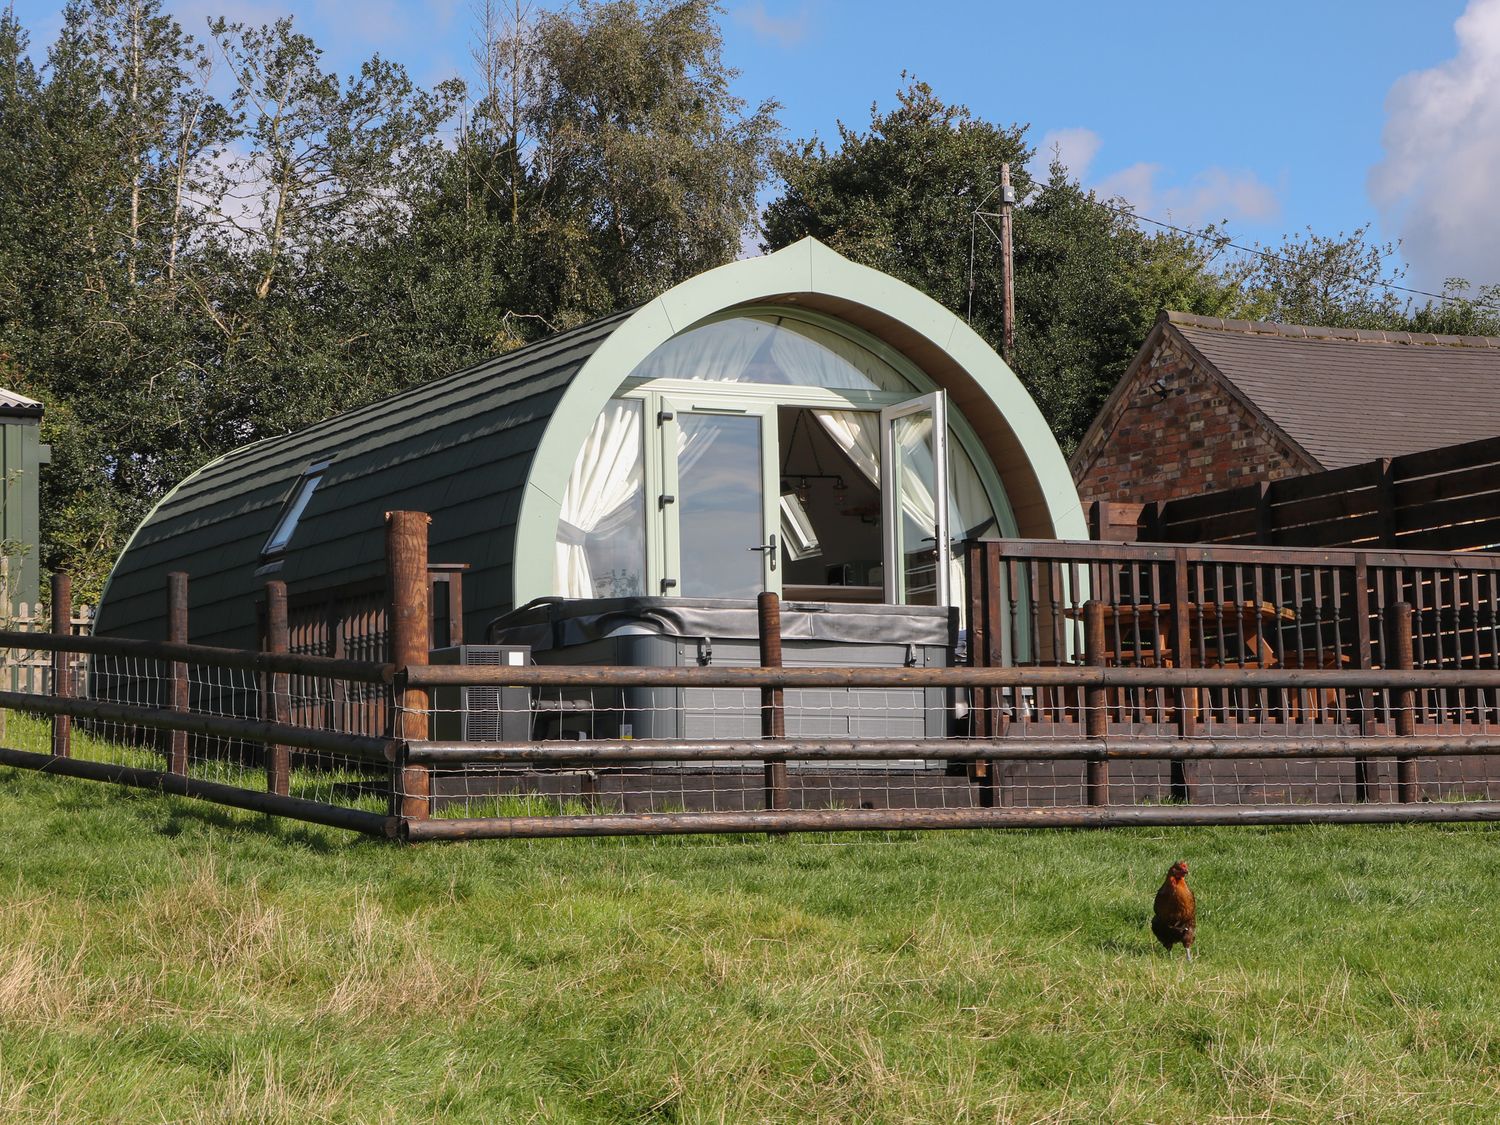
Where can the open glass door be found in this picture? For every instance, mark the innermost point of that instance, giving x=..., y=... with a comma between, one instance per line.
x=717, y=503
x=914, y=499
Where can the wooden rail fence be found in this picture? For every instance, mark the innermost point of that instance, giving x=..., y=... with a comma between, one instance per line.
x=1082, y=658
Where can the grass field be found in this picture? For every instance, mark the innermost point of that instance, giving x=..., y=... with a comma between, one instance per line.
x=162, y=960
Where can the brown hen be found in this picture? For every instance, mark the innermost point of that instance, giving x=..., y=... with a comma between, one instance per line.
x=1176, y=918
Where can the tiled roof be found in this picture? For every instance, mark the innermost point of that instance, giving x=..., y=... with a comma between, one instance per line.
x=1348, y=396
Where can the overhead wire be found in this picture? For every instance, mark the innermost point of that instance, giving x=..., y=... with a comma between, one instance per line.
x=1223, y=242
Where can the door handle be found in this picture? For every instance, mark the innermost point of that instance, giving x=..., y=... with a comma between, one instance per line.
x=770, y=548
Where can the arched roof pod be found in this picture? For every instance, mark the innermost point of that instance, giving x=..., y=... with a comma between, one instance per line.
x=810, y=275
x=488, y=451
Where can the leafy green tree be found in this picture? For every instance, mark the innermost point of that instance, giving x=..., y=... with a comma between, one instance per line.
x=177, y=270
x=902, y=197
x=1346, y=281
x=1319, y=279
x=605, y=160
x=1089, y=285
x=1461, y=315
x=320, y=169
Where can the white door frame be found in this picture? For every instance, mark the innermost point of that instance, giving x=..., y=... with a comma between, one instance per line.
x=935, y=404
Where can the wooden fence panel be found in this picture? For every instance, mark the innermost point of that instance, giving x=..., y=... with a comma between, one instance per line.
x=30, y=670
x=1438, y=500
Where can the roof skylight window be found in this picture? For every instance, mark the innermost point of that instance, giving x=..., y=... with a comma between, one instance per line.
x=295, y=506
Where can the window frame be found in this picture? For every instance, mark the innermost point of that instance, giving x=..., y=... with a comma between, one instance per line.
x=660, y=395
x=293, y=508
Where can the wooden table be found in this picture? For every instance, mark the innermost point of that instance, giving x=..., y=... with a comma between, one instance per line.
x=1152, y=622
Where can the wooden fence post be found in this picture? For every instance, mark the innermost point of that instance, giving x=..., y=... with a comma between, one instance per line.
x=278, y=688
x=455, y=592
x=62, y=662
x=1399, y=625
x=1180, y=772
x=1363, y=659
x=177, y=634
x=772, y=700
x=1385, y=495
x=410, y=611
x=1095, y=702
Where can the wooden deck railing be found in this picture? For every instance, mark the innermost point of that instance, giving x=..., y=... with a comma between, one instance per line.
x=1243, y=608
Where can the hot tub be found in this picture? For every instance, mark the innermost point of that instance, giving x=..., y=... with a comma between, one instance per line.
x=684, y=632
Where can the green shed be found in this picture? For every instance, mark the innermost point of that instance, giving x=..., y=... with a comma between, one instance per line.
x=793, y=422
x=22, y=456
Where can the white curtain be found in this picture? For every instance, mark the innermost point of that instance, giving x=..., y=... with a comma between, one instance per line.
x=601, y=494
x=857, y=433
x=968, y=503
x=716, y=352
x=815, y=357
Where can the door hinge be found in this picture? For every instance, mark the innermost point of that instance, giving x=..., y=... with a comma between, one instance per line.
x=664, y=416
x=668, y=584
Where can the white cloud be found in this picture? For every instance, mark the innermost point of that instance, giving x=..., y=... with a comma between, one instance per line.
x=788, y=31
x=1075, y=148
x=1137, y=183
x=1435, y=186
x=1208, y=196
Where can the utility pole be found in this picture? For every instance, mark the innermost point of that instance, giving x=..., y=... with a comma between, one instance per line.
x=1007, y=259
x=1007, y=268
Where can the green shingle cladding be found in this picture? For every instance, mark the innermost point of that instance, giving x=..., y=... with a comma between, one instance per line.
x=460, y=448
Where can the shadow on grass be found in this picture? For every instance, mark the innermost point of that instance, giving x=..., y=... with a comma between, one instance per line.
x=169, y=815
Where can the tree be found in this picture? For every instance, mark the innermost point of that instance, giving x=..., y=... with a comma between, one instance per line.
x=1345, y=281
x=1317, y=279
x=177, y=271
x=902, y=196
x=94, y=145
x=1089, y=284
x=1461, y=315
x=605, y=161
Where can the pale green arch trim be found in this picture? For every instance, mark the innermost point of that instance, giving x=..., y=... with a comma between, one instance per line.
x=1009, y=426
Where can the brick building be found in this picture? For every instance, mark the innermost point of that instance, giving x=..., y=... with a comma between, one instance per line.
x=1209, y=404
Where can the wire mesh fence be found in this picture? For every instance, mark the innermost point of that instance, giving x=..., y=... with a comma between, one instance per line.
x=1104, y=685
x=576, y=749
x=1096, y=751
x=207, y=722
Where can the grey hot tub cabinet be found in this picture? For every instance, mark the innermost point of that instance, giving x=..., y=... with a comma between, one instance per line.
x=681, y=632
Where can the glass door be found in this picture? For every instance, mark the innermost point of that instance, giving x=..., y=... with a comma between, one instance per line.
x=717, y=502
x=914, y=500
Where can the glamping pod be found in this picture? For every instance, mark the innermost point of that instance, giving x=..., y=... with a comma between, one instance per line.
x=794, y=422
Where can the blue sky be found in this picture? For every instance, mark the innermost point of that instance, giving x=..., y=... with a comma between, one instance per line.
x=1275, y=116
